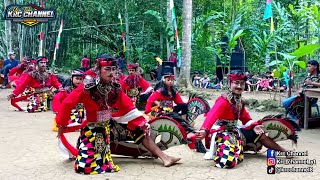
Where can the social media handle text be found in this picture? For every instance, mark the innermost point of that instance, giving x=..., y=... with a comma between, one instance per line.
x=280, y=169
x=309, y=162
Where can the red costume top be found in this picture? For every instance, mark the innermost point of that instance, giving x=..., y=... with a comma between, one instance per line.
x=18, y=70
x=136, y=82
x=33, y=79
x=91, y=73
x=117, y=103
x=222, y=110
x=157, y=96
x=59, y=97
x=85, y=63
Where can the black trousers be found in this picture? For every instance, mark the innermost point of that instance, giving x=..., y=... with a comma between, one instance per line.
x=183, y=108
x=144, y=97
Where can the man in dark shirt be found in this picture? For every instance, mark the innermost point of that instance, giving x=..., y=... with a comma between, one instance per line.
x=7, y=65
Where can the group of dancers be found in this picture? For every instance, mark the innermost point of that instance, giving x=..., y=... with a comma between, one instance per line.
x=103, y=95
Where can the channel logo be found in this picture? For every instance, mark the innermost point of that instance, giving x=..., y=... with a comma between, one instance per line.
x=271, y=153
x=271, y=161
x=271, y=170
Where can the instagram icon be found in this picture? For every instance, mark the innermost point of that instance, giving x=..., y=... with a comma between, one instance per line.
x=271, y=161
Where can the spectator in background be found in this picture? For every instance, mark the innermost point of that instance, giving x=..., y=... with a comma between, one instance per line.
x=85, y=63
x=173, y=59
x=153, y=73
x=196, y=79
x=263, y=84
x=122, y=63
x=140, y=70
x=217, y=83
x=159, y=64
x=8, y=64
x=205, y=81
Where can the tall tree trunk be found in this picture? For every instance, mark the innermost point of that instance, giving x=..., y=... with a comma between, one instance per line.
x=184, y=76
x=22, y=40
x=8, y=30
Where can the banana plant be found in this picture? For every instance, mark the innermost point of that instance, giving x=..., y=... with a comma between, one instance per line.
x=291, y=60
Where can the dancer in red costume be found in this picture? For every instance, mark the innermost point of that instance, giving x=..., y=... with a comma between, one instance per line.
x=104, y=100
x=16, y=72
x=166, y=95
x=137, y=88
x=42, y=82
x=77, y=114
x=28, y=91
x=227, y=144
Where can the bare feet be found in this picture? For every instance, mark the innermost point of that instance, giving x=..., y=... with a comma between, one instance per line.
x=169, y=161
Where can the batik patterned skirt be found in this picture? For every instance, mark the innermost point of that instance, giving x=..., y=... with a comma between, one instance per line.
x=94, y=156
x=38, y=103
x=77, y=116
x=229, y=149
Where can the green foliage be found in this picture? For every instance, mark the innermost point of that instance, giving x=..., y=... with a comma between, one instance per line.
x=94, y=28
x=291, y=59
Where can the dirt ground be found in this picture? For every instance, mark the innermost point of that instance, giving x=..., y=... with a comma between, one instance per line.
x=29, y=151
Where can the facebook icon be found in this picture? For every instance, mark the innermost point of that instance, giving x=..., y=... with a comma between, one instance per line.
x=271, y=153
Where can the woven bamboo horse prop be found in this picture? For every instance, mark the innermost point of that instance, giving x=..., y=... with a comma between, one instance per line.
x=167, y=130
x=277, y=127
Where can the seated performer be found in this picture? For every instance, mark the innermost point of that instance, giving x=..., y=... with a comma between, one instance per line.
x=104, y=100
x=19, y=71
x=226, y=147
x=165, y=95
x=295, y=105
x=31, y=65
x=42, y=82
x=77, y=114
x=16, y=72
x=135, y=86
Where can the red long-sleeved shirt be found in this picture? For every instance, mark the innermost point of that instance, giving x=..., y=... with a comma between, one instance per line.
x=90, y=72
x=157, y=96
x=57, y=100
x=85, y=63
x=222, y=110
x=123, y=105
x=28, y=80
x=142, y=84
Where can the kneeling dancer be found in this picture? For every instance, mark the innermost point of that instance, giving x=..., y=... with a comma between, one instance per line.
x=228, y=142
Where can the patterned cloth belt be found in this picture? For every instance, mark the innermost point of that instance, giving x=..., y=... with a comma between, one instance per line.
x=98, y=124
x=228, y=124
